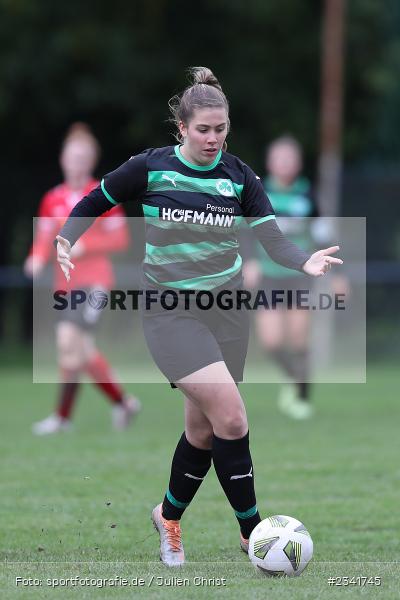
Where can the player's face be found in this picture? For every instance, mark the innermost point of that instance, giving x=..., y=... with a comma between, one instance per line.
x=284, y=163
x=77, y=160
x=204, y=135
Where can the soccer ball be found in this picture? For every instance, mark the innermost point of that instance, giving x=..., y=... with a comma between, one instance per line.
x=280, y=545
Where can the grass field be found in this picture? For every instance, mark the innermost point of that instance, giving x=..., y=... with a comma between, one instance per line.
x=78, y=504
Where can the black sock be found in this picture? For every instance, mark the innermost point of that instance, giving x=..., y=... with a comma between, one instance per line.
x=302, y=376
x=303, y=388
x=189, y=467
x=295, y=364
x=234, y=468
x=285, y=360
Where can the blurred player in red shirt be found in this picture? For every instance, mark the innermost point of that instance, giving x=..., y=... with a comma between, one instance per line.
x=76, y=346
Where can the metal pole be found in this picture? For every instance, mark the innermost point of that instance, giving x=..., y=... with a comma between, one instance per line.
x=331, y=115
x=330, y=160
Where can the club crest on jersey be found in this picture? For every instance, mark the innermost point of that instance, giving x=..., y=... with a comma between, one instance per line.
x=225, y=187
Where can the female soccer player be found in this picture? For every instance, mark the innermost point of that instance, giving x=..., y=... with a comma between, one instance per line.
x=192, y=195
x=77, y=351
x=284, y=333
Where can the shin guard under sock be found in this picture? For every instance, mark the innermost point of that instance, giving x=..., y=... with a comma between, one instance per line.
x=189, y=467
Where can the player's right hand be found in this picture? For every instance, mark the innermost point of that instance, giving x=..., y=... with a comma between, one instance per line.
x=64, y=255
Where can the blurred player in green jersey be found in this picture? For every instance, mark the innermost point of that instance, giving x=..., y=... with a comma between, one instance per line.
x=283, y=332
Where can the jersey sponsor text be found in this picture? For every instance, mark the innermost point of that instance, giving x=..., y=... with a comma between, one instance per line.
x=193, y=216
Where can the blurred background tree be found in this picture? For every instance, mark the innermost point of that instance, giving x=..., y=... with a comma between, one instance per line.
x=115, y=67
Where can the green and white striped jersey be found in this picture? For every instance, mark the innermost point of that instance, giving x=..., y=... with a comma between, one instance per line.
x=191, y=214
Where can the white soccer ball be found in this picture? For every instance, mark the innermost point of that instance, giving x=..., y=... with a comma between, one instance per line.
x=280, y=545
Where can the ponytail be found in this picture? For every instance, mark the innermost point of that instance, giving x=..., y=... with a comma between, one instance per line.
x=204, y=91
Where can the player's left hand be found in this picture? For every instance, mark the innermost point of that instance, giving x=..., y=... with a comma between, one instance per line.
x=320, y=262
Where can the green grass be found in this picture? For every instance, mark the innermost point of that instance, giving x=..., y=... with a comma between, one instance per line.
x=60, y=496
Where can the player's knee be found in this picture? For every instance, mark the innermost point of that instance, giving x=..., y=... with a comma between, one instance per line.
x=233, y=426
x=71, y=360
x=272, y=344
x=70, y=354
